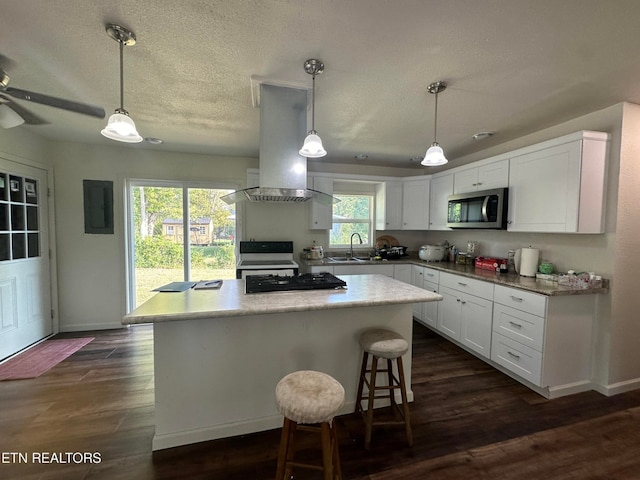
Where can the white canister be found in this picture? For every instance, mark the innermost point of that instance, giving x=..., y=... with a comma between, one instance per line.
x=527, y=261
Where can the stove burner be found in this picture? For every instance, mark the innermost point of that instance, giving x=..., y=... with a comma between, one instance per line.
x=307, y=281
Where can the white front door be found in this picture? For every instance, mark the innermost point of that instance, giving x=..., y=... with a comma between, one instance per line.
x=25, y=285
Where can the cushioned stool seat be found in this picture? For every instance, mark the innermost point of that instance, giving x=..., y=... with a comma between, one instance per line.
x=385, y=344
x=309, y=400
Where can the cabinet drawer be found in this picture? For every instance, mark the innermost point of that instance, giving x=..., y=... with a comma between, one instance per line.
x=516, y=357
x=431, y=275
x=533, y=303
x=469, y=285
x=518, y=325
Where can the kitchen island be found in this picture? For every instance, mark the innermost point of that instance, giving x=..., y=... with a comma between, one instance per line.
x=218, y=354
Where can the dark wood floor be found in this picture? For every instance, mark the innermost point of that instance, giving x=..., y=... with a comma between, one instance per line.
x=469, y=421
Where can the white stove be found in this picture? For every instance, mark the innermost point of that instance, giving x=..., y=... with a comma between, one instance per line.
x=266, y=258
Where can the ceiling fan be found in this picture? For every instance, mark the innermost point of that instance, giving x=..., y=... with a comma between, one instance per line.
x=12, y=118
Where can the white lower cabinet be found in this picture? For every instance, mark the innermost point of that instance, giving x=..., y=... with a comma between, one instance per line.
x=363, y=270
x=518, y=332
x=402, y=272
x=318, y=269
x=465, y=314
x=417, y=280
x=466, y=318
x=545, y=340
x=523, y=361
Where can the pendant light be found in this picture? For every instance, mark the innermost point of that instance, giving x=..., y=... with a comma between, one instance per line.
x=120, y=126
x=312, y=147
x=435, y=155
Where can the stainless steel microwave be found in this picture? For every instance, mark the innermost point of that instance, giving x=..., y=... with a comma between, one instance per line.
x=484, y=209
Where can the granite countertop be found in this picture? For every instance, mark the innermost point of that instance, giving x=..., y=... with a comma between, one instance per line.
x=544, y=287
x=230, y=300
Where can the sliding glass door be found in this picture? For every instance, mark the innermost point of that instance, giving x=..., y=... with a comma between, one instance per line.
x=177, y=232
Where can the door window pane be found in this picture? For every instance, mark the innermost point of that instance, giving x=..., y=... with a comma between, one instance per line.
x=162, y=243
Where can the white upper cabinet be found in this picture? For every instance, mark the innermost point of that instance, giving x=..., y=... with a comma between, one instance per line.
x=559, y=186
x=389, y=205
x=415, y=204
x=441, y=188
x=483, y=177
x=320, y=215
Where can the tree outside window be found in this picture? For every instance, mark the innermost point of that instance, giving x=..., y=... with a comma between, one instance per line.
x=353, y=214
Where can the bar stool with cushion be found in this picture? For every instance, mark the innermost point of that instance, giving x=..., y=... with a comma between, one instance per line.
x=309, y=400
x=385, y=344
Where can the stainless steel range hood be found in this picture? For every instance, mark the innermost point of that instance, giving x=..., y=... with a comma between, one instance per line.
x=283, y=172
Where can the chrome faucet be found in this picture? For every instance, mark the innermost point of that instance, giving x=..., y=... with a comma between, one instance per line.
x=351, y=242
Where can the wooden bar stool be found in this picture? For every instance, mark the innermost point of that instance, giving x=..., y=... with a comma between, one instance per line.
x=309, y=400
x=383, y=344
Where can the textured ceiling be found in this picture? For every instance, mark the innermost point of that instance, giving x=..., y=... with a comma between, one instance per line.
x=513, y=67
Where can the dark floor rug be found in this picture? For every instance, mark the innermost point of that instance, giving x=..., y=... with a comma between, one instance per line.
x=39, y=359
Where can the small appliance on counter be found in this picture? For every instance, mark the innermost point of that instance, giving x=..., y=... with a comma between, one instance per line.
x=432, y=253
x=317, y=252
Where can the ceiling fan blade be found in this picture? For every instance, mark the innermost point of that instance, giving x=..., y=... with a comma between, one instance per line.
x=76, y=107
x=6, y=63
x=29, y=117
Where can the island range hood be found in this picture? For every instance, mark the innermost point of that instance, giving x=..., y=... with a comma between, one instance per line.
x=283, y=172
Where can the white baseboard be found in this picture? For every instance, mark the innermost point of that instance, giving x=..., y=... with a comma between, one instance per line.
x=616, y=388
x=253, y=425
x=570, y=389
x=84, y=327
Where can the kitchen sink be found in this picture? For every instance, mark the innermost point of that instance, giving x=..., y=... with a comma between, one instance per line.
x=348, y=259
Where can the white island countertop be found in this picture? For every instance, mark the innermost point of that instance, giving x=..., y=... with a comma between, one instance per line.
x=230, y=300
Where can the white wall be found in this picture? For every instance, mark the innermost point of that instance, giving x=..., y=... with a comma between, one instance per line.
x=91, y=268
x=624, y=327
x=19, y=144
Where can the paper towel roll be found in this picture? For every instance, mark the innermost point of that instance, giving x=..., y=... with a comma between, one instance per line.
x=529, y=262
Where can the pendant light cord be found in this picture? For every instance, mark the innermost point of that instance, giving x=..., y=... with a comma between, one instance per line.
x=313, y=103
x=435, y=122
x=121, y=74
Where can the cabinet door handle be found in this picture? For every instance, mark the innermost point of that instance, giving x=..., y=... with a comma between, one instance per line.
x=516, y=299
x=479, y=183
x=458, y=300
x=430, y=275
x=462, y=284
x=463, y=302
x=517, y=357
x=517, y=325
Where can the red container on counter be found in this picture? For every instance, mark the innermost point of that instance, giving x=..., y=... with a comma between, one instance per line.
x=490, y=263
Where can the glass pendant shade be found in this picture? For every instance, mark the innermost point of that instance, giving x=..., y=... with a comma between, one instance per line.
x=434, y=156
x=121, y=128
x=312, y=147
x=9, y=118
